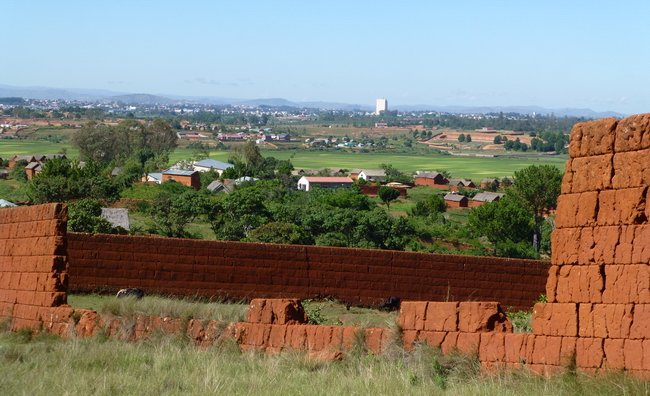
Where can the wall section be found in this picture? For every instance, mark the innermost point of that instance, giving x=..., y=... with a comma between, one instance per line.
x=253, y=270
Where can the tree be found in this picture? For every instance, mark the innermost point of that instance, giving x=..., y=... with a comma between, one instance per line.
x=468, y=138
x=538, y=187
x=278, y=232
x=497, y=139
x=388, y=194
x=432, y=205
x=85, y=215
x=172, y=213
x=461, y=137
x=502, y=222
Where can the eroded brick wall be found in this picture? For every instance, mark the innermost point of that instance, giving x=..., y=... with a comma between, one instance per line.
x=33, y=275
x=250, y=270
x=598, y=288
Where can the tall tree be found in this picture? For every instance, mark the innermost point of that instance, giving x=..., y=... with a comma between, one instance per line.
x=388, y=194
x=538, y=187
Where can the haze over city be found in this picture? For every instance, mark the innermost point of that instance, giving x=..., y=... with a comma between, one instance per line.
x=553, y=54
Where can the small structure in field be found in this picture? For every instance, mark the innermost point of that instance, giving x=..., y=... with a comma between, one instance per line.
x=307, y=183
x=456, y=200
x=188, y=178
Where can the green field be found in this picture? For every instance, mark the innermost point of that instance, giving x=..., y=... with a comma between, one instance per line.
x=11, y=147
x=474, y=168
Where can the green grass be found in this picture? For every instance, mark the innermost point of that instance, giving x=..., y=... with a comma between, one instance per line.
x=164, y=365
x=11, y=147
x=330, y=312
x=160, y=306
x=475, y=168
x=13, y=191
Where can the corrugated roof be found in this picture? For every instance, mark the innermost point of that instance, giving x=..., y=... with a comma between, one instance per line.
x=487, y=196
x=6, y=204
x=210, y=163
x=179, y=172
x=428, y=175
x=454, y=197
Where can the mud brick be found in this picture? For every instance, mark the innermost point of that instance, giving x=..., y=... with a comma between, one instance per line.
x=633, y=133
x=277, y=336
x=641, y=250
x=614, y=354
x=623, y=206
x=627, y=284
x=598, y=245
x=589, y=352
x=640, y=328
x=441, y=316
x=546, y=350
x=468, y=343
x=551, y=283
x=433, y=339
x=605, y=320
x=592, y=173
x=482, y=316
x=412, y=315
x=625, y=248
x=450, y=343
x=577, y=210
x=555, y=319
x=566, y=245
x=516, y=347
x=296, y=337
x=374, y=337
x=634, y=354
x=492, y=347
x=579, y=284
x=593, y=137
x=631, y=169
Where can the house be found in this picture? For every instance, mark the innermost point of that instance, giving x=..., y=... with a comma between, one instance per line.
x=485, y=197
x=155, y=178
x=217, y=187
x=488, y=183
x=32, y=169
x=190, y=178
x=431, y=179
x=28, y=158
x=456, y=200
x=4, y=173
x=373, y=175
x=207, y=165
x=354, y=174
x=306, y=183
x=463, y=183
x=118, y=217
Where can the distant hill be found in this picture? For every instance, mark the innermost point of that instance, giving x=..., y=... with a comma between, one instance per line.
x=570, y=112
x=148, y=99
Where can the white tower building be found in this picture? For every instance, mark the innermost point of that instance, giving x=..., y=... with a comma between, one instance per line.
x=381, y=106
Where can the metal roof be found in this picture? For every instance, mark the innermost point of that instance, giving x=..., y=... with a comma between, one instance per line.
x=179, y=172
x=210, y=163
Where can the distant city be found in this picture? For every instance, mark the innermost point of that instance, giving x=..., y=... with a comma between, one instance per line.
x=42, y=98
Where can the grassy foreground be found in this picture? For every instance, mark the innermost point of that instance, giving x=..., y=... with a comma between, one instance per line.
x=46, y=365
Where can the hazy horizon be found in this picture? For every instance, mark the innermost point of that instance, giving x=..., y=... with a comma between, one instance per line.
x=552, y=54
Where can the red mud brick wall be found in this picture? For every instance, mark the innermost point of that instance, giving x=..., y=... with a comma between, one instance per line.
x=252, y=270
x=599, y=285
x=33, y=274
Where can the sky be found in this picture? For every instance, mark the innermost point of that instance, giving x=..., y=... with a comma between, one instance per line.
x=556, y=54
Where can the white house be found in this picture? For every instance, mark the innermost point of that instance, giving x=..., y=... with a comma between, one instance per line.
x=155, y=177
x=209, y=164
x=373, y=175
x=306, y=183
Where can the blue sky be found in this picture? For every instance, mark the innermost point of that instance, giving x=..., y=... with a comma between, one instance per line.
x=592, y=54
